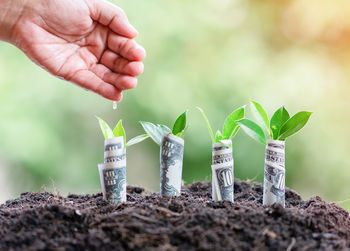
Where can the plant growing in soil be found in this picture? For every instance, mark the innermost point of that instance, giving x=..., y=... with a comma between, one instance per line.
x=156, y=132
x=171, y=153
x=273, y=134
x=119, y=131
x=230, y=127
x=222, y=160
x=113, y=170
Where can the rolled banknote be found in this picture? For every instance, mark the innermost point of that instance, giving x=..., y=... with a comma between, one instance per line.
x=274, y=173
x=114, y=150
x=222, y=171
x=171, y=159
x=222, y=152
x=113, y=171
x=113, y=181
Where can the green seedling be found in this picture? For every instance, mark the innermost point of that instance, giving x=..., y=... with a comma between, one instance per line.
x=230, y=127
x=279, y=127
x=156, y=132
x=119, y=131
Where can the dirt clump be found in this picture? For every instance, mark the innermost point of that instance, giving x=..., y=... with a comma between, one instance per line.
x=192, y=221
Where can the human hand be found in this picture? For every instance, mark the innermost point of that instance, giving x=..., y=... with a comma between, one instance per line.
x=87, y=42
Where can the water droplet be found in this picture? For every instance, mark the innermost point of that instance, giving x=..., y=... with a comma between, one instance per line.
x=115, y=105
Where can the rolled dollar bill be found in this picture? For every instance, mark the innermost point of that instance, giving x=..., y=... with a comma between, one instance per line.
x=222, y=171
x=171, y=159
x=223, y=181
x=113, y=171
x=222, y=152
x=113, y=181
x=114, y=149
x=274, y=173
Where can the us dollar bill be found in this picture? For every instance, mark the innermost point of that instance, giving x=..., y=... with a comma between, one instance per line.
x=274, y=173
x=114, y=150
x=171, y=160
x=224, y=145
x=223, y=181
x=222, y=156
x=113, y=171
x=113, y=181
x=222, y=171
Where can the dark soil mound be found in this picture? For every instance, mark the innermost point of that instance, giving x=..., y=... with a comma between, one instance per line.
x=43, y=221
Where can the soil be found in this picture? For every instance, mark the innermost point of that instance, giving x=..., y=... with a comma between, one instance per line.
x=44, y=221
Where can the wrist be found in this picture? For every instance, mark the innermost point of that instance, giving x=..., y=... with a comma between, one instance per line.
x=10, y=13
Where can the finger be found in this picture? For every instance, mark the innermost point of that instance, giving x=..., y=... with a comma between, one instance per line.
x=120, y=65
x=127, y=48
x=112, y=16
x=89, y=80
x=122, y=82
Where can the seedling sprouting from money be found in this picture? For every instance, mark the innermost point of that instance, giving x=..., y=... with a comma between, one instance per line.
x=222, y=160
x=171, y=153
x=113, y=170
x=274, y=134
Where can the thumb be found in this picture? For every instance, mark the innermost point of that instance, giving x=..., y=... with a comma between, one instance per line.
x=112, y=16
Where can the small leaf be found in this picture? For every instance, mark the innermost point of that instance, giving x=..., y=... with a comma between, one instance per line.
x=106, y=130
x=218, y=136
x=137, y=139
x=230, y=127
x=164, y=128
x=235, y=131
x=253, y=130
x=180, y=123
x=294, y=124
x=260, y=115
x=156, y=132
x=278, y=119
x=208, y=124
x=181, y=134
x=119, y=131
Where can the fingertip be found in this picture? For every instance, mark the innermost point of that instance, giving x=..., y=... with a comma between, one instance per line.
x=123, y=27
x=120, y=97
x=117, y=96
x=111, y=92
x=134, y=83
x=132, y=31
x=127, y=82
x=131, y=83
x=135, y=68
x=138, y=53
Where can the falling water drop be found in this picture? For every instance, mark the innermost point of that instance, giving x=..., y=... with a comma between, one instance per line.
x=115, y=105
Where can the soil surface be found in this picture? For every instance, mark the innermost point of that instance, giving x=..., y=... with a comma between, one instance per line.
x=43, y=221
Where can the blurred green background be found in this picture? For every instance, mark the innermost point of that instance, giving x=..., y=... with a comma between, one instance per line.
x=217, y=54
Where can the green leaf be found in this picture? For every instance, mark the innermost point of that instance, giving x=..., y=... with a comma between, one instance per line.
x=182, y=133
x=278, y=119
x=294, y=124
x=206, y=120
x=106, y=130
x=230, y=127
x=218, y=137
x=180, y=123
x=164, y=128
x=253, y=130
x=119, y=131
x=260, y=115
x=137, y=139
x=156, y=132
